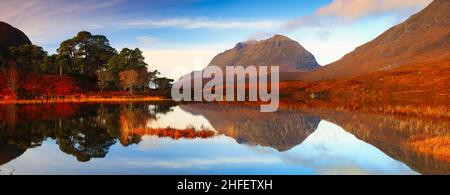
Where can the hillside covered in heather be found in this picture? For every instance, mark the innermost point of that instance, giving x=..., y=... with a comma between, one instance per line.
x=410, y=62
x=421, y=39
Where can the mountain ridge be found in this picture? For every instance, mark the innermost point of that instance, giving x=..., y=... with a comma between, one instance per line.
x=423, y=37
x=279, y=50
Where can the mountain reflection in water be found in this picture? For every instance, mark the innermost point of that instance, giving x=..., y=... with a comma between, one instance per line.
x=215, y=139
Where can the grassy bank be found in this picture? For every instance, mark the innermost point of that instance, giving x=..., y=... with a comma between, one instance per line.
x=87, y=99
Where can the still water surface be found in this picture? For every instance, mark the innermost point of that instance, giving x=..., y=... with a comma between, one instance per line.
x=210, y=139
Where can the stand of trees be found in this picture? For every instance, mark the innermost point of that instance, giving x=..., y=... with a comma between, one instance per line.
x=91, y=57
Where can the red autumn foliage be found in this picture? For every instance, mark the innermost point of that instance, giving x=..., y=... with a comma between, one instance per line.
x=32, y=85
x=175, y=134
x=47, y=111
x=5, y=92
x=33, y=112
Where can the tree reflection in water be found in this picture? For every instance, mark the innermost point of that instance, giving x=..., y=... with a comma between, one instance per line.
x=83, y=130
x=88, y=131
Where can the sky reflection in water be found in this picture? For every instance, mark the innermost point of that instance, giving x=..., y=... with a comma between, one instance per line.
x=329, y=149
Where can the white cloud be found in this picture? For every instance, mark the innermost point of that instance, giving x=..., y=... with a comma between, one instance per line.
x=147, y=41
x=337, y=28
x=49, y=21
x=328, y=51
x=199, y=162
x=360, y=8
x=175, y=62
x=197, y=23
x=346, y=11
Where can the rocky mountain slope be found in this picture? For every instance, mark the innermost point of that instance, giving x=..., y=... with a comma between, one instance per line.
x=423, y=37
x=278, y=50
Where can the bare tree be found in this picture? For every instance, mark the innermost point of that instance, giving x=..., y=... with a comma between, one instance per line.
x=128, y=79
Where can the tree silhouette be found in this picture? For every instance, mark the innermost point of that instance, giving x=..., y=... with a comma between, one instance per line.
x=86, y=53
x=28, y=57
x=84, y=139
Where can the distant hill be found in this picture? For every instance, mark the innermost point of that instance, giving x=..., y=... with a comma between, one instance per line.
x=11, y=37
x=278, y=50
x=423, y=37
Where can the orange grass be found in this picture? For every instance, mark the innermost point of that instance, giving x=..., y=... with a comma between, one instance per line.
x=85, y=100
x=438, y=147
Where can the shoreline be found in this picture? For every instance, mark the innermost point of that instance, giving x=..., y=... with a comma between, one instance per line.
x=393, y=108
x=84, y=100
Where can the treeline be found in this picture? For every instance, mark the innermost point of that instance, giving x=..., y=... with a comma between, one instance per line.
x=91, y=57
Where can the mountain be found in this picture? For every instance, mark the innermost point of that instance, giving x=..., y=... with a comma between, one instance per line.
x=10, y=36
x=422, y=38
x=291, y=57
x=281, y=130
x=278, y=50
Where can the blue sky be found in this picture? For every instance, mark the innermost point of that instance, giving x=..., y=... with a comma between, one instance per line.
x=180, y=36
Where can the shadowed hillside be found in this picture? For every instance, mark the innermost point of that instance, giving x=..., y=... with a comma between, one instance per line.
x=11, y=37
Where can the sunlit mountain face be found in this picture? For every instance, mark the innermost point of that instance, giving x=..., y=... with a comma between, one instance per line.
x=211, y=139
